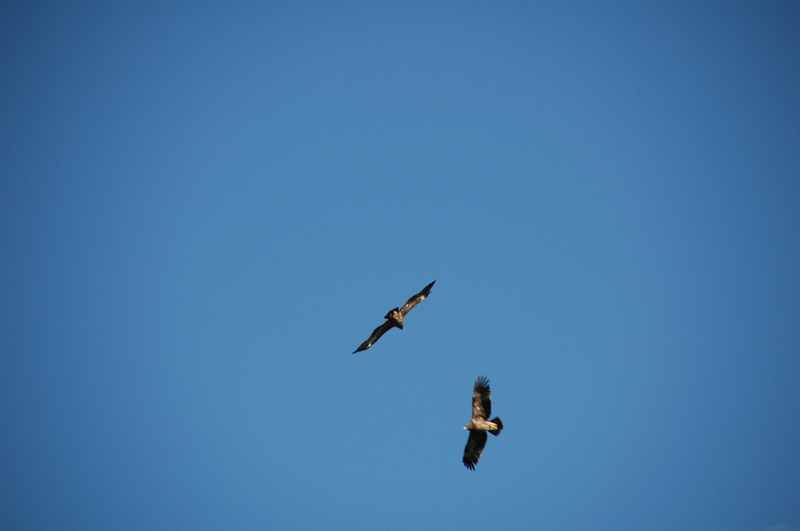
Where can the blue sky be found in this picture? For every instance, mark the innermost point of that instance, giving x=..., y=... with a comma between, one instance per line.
x=205, y=207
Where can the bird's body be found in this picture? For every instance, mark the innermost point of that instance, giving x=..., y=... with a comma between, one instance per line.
x=483, y=425
x=479, y=426
x=394, y=318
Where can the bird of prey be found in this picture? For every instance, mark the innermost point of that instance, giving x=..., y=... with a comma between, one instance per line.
x=395, y=318
x=481, y=411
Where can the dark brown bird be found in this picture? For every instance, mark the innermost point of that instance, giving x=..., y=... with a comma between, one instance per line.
x=395, y=318
x=481, y=411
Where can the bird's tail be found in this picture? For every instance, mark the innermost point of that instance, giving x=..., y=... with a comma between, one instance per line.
x=499, y=423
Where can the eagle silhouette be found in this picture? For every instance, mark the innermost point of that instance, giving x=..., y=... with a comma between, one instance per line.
x=481, y=411
x=395, y=318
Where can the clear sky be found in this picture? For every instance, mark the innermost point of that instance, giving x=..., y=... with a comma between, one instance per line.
x=206, y=206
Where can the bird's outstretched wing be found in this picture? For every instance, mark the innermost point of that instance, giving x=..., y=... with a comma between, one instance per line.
x=474, y=448
x=375, y=336
x=481, y=399
x=416, y=299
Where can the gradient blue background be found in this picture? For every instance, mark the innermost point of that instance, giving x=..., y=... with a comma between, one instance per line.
x=206, y=206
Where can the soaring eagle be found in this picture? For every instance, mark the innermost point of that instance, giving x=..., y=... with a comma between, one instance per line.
x=395, y=318
x=481, y=411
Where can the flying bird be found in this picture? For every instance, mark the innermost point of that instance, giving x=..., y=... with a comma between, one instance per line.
x=395, y=318
x=481, y=411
